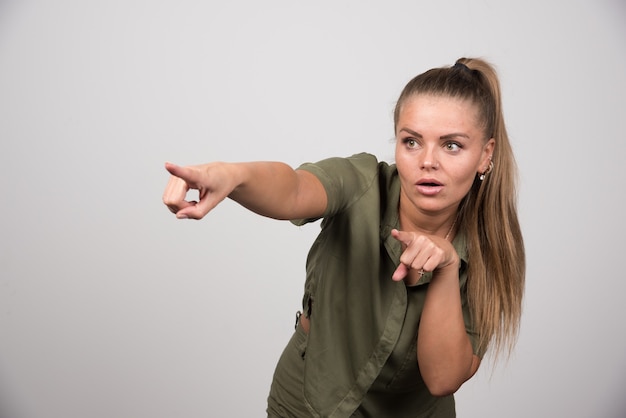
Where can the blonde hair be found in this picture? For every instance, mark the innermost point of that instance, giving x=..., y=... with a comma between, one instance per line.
x=488, y=213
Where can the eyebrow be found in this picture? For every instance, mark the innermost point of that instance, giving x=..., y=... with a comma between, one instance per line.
x=444, y=137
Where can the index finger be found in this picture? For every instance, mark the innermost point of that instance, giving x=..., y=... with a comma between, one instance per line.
x=184, y=173
x=404, y=237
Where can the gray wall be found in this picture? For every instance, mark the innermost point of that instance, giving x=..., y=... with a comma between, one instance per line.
x=110, y=307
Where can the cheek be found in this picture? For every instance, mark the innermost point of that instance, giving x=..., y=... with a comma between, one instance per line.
x=397, y=153
x=465, y=181
x=399, y=159
x=404, y=167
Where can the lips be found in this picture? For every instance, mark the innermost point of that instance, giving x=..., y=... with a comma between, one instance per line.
x=428, y=187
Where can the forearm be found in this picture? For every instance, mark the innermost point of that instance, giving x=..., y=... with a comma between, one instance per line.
x=444, y=350
x=276, y=190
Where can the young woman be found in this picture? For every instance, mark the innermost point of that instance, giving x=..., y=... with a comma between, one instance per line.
x=419, y=266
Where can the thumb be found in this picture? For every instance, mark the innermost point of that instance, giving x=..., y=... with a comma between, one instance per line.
x=405, y=238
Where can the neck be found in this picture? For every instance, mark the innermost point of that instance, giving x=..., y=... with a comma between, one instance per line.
x=441, y=225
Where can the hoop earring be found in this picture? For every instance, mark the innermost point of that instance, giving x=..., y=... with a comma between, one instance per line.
x=481, y=177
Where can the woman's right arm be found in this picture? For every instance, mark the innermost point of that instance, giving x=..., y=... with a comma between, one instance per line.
x=270, y=189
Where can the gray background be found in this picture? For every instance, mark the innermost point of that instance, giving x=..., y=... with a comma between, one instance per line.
x=110, y=307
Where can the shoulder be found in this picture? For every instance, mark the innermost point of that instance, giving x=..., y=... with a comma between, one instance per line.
x=362, y=160
x=362, y=166
x=347, y=179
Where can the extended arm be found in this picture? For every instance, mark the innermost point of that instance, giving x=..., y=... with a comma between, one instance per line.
x=270, y=189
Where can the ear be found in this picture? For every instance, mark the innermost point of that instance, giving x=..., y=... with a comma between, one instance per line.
x=486, y=155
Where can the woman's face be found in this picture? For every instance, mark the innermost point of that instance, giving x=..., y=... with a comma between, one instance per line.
x=440, y=148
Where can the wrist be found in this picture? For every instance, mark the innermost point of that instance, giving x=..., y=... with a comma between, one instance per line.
x=450, y=269
x=239, y=176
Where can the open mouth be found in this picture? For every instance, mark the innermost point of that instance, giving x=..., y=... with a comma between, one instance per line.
x=429, y=187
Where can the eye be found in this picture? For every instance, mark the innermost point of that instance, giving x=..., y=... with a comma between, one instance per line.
x=410, y=142
x=452, y=146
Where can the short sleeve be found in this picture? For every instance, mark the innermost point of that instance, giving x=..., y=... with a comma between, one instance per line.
x=344, y=180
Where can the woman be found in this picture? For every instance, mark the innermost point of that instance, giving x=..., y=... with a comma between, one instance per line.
x=419, y=266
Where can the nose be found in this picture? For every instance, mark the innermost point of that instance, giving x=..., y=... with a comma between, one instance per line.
x=429, y=160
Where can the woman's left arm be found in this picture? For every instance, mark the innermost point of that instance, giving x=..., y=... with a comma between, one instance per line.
x=444, y=352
